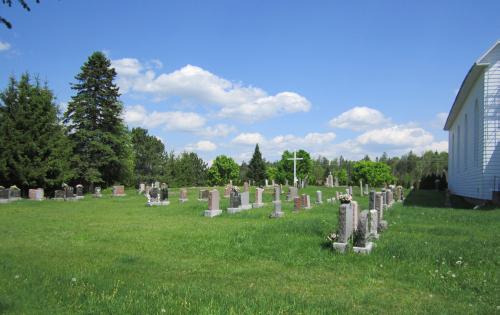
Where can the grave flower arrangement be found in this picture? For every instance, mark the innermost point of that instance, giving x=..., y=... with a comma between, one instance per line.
x=345, y=198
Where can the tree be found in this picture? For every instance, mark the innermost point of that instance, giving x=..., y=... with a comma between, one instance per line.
x=223, y=170
x=149, y=155
x=285, y=166
x=272, y=172
x=102, y=149
x=23, y=3
x=244, y=171
x=33, y=149
x=257, y=167
x=373, y=173
x=342, y=176
x=191, y=170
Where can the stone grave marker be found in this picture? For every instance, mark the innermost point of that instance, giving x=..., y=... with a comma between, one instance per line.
x=183, y=195
x=234, y=201
x=118, y=191
x=36, y=194
x=203, y=195
x=292, y=193
x=245, y=200
x=246, y=187
x=258, y=198
x=97, y=192
x=362, y=244
x=355, y=212
x=227, y=190
x=213, y=204
x=350, y=190
x=68, y=193
x=14, y=193
x=164, y=195
x=344, y=232
x=319, y=197
x=306, y=201
x=79, y=191
x=371, y=199
x=277, y=213
x=142, y=188
x=361, y=188
x=379, y=206
x=374, y=224
x=297, y=203
x=4, y=195
x=366, y=191
x=59, y=195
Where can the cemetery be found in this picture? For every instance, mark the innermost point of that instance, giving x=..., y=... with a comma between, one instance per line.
x=251, y=157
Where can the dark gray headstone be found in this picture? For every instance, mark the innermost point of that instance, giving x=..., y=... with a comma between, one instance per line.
x=234, y=199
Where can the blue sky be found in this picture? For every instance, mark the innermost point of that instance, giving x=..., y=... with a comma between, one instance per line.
x=333, y=77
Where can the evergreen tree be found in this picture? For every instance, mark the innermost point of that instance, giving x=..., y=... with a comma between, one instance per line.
x=33, y=149
x=102, y=150
x=149, y=156
x=191, y=170
x=257, y=167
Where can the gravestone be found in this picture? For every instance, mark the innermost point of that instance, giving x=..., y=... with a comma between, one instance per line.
x=336, y=182
x=246, y=187
x=258, y=198
x=350, y=190
x=319, y=197
x=213, y=204
x=203, y=195
x=147, y=189
x=297, y=203
x=164, y=195
x=379, y=206
x=267, y=183
x=306, y=201
x=14, y=193
x=4, y=195
x=389, y=198
x=384, y=196
x=273, y=182
x=398, y=193
x=371, y=199
x=329, y=180
x=156, y=184
x=142, y=188
x=36, y=194
x=277, y=194
x=362, y=244
x=337, y=194
x=183, y=195
x=97, y=192
x=355, y=212
x=245, y=200
x=374, y=224
x=68, y=193
x=366, y=191
x=286, y=182
x=292, y=193
x=59, y=194
x=361, y=188
x=277, y=213
x=234, y=201
x=344, y=232
x=118, y=191
x=79, y=191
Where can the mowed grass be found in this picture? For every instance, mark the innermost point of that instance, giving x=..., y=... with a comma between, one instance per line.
x=117, y=256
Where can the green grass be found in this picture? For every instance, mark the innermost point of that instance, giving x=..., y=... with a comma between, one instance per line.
x=116, y=256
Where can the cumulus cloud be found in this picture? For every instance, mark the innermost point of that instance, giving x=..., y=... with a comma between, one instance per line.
x=173, y=120
x=197, y=85
x=4, y=46
x=203, y=145
x=219, y=130
x=439, y=120
x=396, y=136
x=360, y=118
x=249, y=138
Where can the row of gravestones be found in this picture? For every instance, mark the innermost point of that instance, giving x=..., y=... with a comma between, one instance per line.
x=67, y=193
x=364, y=227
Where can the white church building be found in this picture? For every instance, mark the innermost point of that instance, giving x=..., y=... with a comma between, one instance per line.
x=474, y=131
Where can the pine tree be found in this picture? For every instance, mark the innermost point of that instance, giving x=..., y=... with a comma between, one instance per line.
x=149, y=153
x=102, y=149
x=34, y=151
x=257, y=167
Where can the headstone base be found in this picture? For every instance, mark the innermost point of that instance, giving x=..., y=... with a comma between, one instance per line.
x=319, y=202
x=119, y=195
x=182, y=200
x=58, y=199
x=307, y=208
x=158, y=203
x=340, y=247
x=212, y=213
x=5, y=200
x=364, y=250
x=246, y=207
x=79, y=197
x=278, y=214
x=234, y=210
x=257, y=205
x=201, y=199
x=97, y=195
x=71, y=199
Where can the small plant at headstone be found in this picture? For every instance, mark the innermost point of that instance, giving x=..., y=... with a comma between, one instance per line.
x=345, y=198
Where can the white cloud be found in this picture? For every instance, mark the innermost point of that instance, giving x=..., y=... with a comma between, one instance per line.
x=203, y=145
x=360, y=118
x=219, y=130
x=396, y=136
x=249, y=138
x=4, y=46
x=194, y=84
x=174, y=120
x=310, y=140
x=439, y=120
x=440, y=146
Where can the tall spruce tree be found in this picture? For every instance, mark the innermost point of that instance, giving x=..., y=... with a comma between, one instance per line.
x=149, y=154
x=257, y=167
x=102, y=149
x=34, y=151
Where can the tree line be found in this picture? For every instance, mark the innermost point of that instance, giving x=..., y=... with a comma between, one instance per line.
x=90, y=144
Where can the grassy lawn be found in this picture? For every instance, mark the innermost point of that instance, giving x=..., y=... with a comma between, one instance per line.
x=114, y=255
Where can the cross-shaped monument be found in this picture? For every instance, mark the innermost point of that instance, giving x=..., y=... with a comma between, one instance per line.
x=295, y=159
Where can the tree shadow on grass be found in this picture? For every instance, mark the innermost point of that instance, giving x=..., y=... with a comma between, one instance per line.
x=434, y=199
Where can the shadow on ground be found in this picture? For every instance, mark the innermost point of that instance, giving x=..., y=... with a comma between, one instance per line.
x=434, y=199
